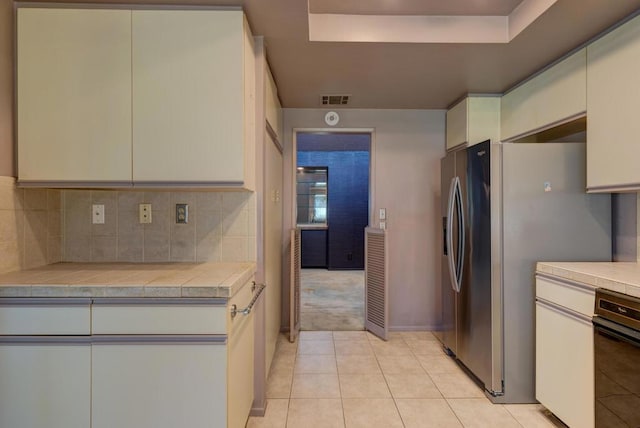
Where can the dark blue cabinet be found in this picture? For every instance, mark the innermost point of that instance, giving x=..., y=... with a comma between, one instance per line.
x=314, y=248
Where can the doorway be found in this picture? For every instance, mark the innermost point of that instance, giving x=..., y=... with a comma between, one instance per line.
x=332, y=211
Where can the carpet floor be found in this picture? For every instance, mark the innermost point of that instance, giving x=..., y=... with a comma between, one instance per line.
x=332, y=300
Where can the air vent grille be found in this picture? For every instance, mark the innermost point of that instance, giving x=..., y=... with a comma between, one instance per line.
x=335, y=100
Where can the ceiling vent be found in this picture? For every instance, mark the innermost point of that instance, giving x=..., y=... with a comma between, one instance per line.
x=335, y=100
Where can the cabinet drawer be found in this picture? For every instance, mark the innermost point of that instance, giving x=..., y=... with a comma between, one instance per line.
x=574, y=296
x=45, y=317
x=143, y=316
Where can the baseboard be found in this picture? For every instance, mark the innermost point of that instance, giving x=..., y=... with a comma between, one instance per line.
x=399, y=328
x=258, y=409
x=415, y=328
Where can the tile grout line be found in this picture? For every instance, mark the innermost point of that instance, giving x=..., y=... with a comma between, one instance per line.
x=335, y=355
x=443, y=397
x=295, y=358
x=395, y=403
x=512, y=415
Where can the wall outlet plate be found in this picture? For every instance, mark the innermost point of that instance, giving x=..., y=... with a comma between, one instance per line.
x=144, y=212
x=97, y=213
x=182, y=213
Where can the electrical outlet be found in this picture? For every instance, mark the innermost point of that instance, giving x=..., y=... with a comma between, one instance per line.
x=182, y=213
x=97, y=214
x=144, y=212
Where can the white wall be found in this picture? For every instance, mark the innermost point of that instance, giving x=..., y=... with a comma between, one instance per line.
x=406, y=153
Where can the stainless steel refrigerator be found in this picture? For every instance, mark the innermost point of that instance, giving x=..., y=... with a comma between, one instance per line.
x=506, y=206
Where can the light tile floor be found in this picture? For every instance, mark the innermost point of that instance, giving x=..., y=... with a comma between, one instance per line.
x=352, y=379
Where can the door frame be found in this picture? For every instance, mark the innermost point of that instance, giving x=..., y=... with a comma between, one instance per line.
x=294, y=161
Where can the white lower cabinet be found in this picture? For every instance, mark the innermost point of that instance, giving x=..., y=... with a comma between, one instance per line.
x=158, y=382
x=564, y=354
x=45, y=382
x=164, y=363
x=125, y=363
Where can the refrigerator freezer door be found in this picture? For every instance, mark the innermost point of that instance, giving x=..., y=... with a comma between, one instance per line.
x=448, y=333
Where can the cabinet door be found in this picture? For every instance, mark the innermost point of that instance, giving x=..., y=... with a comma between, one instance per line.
x=552, y=97
x=45, y=385
x=613, y=102
x=483, y=119
x=473, y=120
x=158, y=384
x=273, y=109
x=240, y=354
x=564, y=368
x=74, y=94
x=516, y=111
x=188, y=96
x=562, y=91
x=457, y=124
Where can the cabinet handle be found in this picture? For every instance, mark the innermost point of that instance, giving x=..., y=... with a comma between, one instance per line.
x=246, y=311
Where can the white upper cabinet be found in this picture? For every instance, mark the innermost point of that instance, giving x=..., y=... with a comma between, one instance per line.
x=553, y=97
x=74, y=95
x=193, y=97
x=613, y=103
x=273, y=109
x=143, y=97
x=473, y=120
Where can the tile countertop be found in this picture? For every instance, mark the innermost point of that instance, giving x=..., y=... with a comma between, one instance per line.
x=172, y=280
x=615, y=276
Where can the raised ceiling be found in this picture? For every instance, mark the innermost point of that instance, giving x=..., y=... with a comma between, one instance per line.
x=414, y=7
x=411, y=75
x=427, y=28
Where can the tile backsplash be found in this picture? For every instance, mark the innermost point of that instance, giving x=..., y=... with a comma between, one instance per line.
x=31, y=233
x=221, y=227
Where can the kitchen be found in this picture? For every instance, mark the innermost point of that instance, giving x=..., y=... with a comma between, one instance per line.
x=420, y=134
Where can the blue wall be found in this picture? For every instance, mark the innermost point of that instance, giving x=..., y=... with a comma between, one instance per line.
x=348, y=202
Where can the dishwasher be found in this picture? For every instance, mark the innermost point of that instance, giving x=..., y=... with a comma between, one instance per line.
x=617, y=360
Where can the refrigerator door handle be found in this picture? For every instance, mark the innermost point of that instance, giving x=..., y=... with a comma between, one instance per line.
x=453, y=198
x=461, y=236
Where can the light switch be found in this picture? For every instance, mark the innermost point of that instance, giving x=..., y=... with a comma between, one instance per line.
x=382, y=214
x=97, y=214
x=182, y=213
